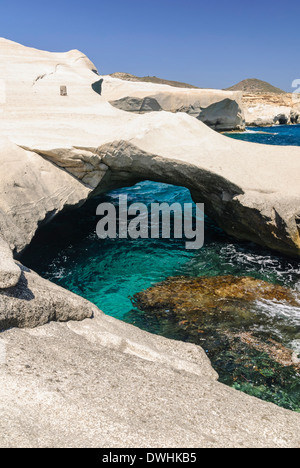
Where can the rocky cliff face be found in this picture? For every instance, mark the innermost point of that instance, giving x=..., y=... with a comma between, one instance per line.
x=265, y=105
x=267, y=109
x=220, y=110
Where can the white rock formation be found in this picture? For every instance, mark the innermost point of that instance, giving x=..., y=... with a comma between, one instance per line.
x=103, y=383
x=267, y=109
x=267, y=115
x=35, y=301
x=100, y=382
x=246, y=187
x=220, y=110
x=9, y=272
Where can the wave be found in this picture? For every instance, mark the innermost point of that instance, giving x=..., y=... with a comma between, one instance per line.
x=254, y=132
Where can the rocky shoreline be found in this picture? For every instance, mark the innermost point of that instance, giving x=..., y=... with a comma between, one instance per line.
x=99, y=382
x=268, y=109
x=222, y=314
x=219, y=110
x=251, y=103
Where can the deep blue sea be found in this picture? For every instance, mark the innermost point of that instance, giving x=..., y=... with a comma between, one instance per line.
x=284, y=135
x=110, y=272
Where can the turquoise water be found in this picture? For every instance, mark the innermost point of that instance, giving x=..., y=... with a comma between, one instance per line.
x=110, y=272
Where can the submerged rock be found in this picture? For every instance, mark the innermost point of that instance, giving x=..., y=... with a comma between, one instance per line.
x=249, y=349
x=201, y=294
x=278, y=352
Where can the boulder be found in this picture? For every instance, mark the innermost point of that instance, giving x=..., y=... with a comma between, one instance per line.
x=9, y=272
x=219, y=115
x=32, y=192
x=220, y=110
x=35, y=301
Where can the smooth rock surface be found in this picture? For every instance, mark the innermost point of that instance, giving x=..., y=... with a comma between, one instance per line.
x=32, y=191
x=102, y=383
x=9, y=272
x=220, y=110
x=246, y=188
x=265, y=115
x=35, y=301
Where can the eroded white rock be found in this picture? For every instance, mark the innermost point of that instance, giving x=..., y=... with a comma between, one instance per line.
x=220, y=110
x=251, y=190
x=103, y=383
x=9, y=271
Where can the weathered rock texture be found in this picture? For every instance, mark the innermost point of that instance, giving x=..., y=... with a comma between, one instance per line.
x=198, y=295
x=267, y=109
x=35, y=301
x=151, y=79
x=265, y=105
x=103, y=383
x=86, y=384
x=220, y=110
x=246, y=187
x=9, y=272
x=32, y=191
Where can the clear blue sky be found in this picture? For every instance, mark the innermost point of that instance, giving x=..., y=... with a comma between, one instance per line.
x=207, y=43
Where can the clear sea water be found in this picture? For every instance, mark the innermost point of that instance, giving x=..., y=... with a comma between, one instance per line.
x=284, y=135
x=110, y=272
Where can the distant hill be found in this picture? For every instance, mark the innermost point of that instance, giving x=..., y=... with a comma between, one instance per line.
x=151, y=79
x=255, y=86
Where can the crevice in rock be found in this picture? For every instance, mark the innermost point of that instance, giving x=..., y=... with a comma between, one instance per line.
x=41, y=77
x=97, y=86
